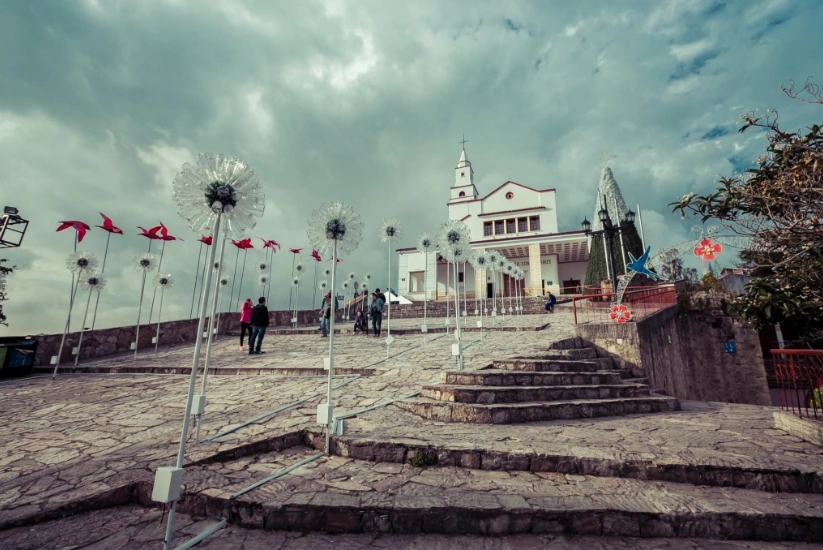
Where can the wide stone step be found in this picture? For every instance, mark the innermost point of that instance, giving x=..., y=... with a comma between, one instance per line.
x=336, y=495
x=493, y=377
x=514, y=413
x=523, y=394
x=546, y=365
x=573, y=353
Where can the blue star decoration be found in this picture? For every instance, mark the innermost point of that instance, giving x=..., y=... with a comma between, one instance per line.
x=638, y=265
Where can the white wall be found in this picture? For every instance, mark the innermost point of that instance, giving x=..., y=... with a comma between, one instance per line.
x=572, y=270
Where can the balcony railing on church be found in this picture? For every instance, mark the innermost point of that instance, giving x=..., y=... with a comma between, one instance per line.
x=799, y=377
x=640, y=302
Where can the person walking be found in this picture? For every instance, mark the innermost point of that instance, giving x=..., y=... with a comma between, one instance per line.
x=245, y=321
x=325, y=313
x=259, y=322
x=376, y=312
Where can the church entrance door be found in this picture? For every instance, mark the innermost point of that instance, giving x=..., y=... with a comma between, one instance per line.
x=489, y=290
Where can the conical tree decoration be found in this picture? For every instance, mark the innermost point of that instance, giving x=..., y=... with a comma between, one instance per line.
x=608, y=193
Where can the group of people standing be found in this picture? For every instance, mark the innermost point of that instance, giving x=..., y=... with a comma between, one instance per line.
x=361, y=320
x=255, y=318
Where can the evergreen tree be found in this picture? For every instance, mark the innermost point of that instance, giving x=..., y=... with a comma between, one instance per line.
x=596, y=269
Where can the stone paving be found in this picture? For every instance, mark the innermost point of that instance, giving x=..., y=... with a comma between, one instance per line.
x=137, y=528
x=87, y=441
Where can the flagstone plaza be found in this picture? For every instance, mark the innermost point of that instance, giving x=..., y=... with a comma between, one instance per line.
x=78, y=455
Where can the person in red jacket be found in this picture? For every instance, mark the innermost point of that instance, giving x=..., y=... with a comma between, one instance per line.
x=245, y=321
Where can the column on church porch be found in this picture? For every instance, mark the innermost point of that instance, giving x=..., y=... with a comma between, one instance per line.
x=535, y=286
x=431, y=276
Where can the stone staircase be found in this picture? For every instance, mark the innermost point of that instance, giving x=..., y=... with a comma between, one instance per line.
x=561, y=385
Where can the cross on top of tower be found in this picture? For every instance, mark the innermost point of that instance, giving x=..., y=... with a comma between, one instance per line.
x=464, y=142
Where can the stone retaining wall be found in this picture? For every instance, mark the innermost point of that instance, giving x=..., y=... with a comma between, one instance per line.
x=531, y=306
x=684, y=355
x=109, y=341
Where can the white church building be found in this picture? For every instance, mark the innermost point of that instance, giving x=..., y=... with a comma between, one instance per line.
x=517, y=221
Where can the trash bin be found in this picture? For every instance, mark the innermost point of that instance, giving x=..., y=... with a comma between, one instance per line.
x=16, y=357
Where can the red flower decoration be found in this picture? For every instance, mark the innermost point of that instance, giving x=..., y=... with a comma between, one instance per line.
x=80, y=227
x=316, y=255
x=295, y=250
x=620, y=314
x=164, y=234
x=708, y=249
x=243, y=244
x=150, y=233
x=274, y=245
x=206, y=240
x=109, y=226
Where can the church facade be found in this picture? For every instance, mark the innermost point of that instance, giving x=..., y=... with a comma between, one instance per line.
x=517, y=221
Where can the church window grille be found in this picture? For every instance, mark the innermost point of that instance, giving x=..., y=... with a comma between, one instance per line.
x=510, y=226
x=488, y=230
x=522, y=225
x=534, y=223
x=498, y=227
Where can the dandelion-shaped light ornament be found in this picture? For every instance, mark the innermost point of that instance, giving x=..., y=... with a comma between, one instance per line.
x=217, y=190
x=353, y=285
x=92, y=281
x=480, y=263
x=263, y=280
x=144, y=263
x=390, y=230
x=510, y=270
x=425, y=243
x=78, y=263
x=501, y=270
x=263, y=267
x=334, y=228
x=162, y=282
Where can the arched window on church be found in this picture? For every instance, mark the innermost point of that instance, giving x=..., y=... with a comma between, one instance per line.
x=462, y=194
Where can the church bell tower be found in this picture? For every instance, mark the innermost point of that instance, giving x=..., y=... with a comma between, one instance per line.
x=463, y=188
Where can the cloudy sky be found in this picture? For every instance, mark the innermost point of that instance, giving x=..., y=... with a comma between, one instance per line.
x=102, y=101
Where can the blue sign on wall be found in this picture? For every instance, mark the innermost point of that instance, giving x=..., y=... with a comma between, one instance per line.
x=729, y=347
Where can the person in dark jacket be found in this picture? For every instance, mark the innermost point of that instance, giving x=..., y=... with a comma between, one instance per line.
x=259, y=322
x=376, y=313
x=550, y=303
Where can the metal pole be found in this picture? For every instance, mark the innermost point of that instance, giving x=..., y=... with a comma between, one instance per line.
x=68, y=323
x=192, y=379
x=314, y=292
x=206, y=265
x=388, y=324
x=159, y=314
x=159, y=265
x=271, y=275
x=332, y=315
x=102, y=270
x=465, y=314
x=139, y=311
x=296, y=300
x=211, y=332
x=242, y=273
x=610, y=255
x=457, y=311
x=447, y=295
x=620, y=234
x=82, y=329
x=291, y=291
x=72, y=292
x=606, y=253
x=640, y=221
x=196, y=274
x=425, y=284
x=233, y=277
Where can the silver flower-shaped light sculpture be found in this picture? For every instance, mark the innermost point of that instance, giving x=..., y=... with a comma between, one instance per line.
x=335, y=222
x=352, y=275
x=492, y=257
x=364, y=285
x=327, y=272
x=323, y=285
x=479, y=261
x=262, y=267
x=295, y=281
x=345, y=284
x=145, y=262
x=453, y=234
x=298, y=268
x=215, y=185
x=367, y=277
x=224, y=281
x=390, y=230
x=425, y=243
x=81, y=261
x=94, y=281
x=263, y=279
x=163, y=281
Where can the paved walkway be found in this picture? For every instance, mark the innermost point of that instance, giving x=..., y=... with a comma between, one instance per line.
x=135, y=528
x=86, y=438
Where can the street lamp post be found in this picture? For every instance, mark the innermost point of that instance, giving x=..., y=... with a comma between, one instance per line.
x=609, y=231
